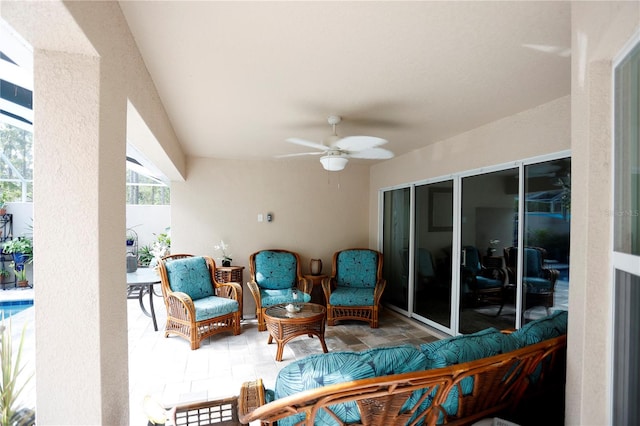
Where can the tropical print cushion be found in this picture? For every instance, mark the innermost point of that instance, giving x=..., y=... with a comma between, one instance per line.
x=275, y=270
x=357, y=268
x=274, y=297
x=542, y=329
x=465, y=348
x=352, y=296
x=319, y=370
x=213, y=306
x=191, y=276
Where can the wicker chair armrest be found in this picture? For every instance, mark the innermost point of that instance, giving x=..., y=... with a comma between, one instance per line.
x=178, y=298
x=378, y=290
x=551, y=275
x=304, y=285
x=328, y=284
x=229, y=290
x=255, y=292
x=251, y=397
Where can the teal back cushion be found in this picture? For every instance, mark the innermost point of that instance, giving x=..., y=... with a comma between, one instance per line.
x=542, y=329
x=275, y=270
x=465, y=348
x=191, y=276
x=357, y=268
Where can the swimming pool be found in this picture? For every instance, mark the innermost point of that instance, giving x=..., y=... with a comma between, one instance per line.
x=12, y=307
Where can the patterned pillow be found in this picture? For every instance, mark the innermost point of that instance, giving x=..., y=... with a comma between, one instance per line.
x=319, y=370
x=542, y=329
x=275, y=270
x=191, y=276
x=357, y=268
x=465, y=348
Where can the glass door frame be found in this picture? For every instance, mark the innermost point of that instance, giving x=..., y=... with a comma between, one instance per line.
x=620, y=261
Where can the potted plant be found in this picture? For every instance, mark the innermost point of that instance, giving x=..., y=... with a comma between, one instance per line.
x=21, y=274
x=21, y=248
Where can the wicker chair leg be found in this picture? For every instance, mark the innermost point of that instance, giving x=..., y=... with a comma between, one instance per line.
x=261, y=324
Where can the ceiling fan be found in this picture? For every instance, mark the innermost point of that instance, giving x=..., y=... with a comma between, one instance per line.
x=337, y=150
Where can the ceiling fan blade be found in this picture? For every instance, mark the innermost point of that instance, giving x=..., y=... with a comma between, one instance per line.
x=372, y=154
x=307, y=143
x=359, y=143
x=300, y=154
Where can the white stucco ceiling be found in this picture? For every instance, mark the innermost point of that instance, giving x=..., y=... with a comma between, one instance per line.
x=238, y=78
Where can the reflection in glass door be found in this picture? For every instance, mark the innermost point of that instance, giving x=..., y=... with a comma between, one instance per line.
x=489, y=212
x=547, y=224
x=396, y=247
x=432, y=254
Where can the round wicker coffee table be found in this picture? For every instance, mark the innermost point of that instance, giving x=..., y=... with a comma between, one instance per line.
x=284, y=325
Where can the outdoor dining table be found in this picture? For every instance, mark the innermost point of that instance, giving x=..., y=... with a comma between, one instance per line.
x=139, y=283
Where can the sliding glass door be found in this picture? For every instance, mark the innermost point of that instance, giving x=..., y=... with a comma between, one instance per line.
x=432, y=254
x=547, y=224
x=489, y=213
x=395, y=247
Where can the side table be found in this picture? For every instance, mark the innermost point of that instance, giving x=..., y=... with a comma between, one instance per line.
x=231, y=274
x=283, y=325
x=317, y=295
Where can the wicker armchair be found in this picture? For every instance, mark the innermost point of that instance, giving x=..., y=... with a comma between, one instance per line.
x=197, y=305
x=355, y=287
x=275, y=274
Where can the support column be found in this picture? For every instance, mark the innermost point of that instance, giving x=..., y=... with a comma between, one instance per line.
x=79, y=220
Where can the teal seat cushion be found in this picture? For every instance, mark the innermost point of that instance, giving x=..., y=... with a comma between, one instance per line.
x=274, y=297
x=214, y=306
x=484, y=283
x=357, y=268
x=191, y=276
x=320, y=370
x=542, y=329
x=352, y=296
x=275, y=270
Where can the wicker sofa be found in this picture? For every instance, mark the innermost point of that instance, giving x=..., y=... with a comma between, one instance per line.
x=453, y=381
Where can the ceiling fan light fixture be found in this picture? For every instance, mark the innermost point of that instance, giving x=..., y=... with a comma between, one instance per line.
x=333, y=163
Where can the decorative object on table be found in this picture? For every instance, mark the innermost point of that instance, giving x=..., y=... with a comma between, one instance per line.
x=132, y=262
x=225, y=253
x=315, y=266
x=159, y=249
x=492, y=247
x=131, y=255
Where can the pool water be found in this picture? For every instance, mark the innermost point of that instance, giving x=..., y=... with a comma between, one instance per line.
x=12, y=307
